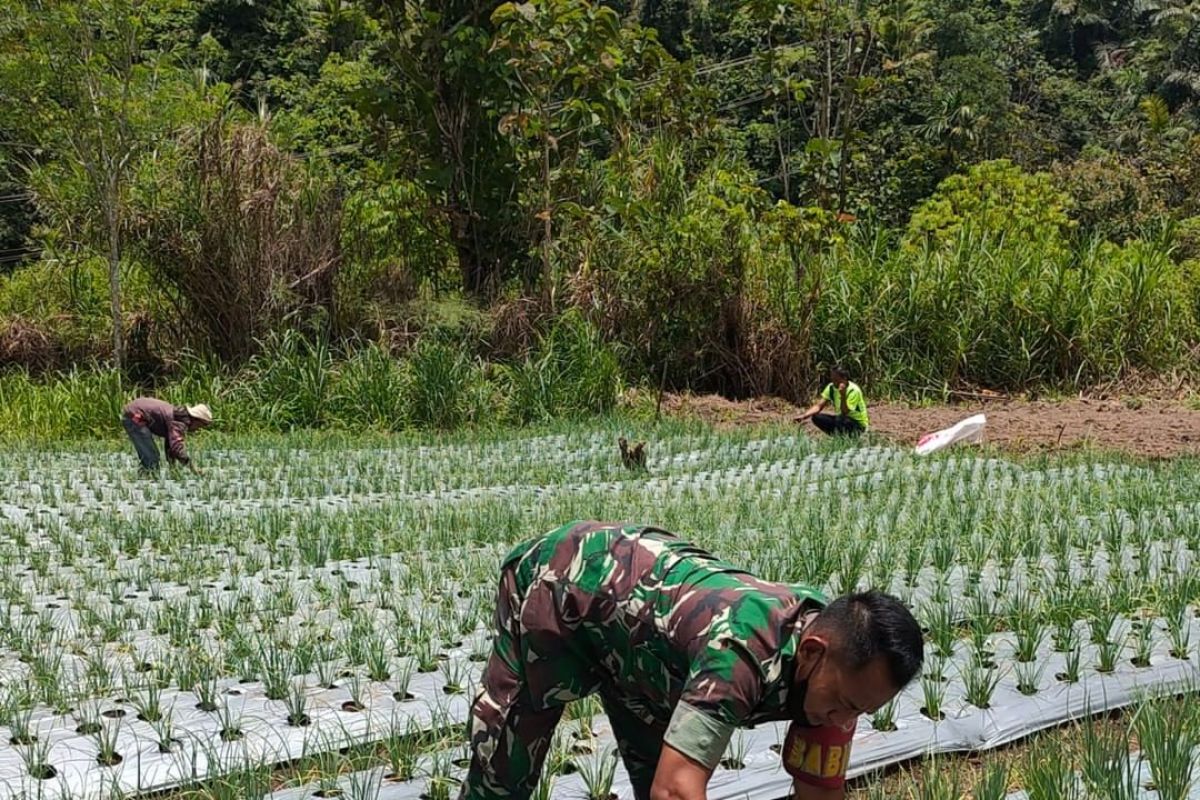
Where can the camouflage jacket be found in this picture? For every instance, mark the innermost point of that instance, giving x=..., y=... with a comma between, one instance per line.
x=688, y=642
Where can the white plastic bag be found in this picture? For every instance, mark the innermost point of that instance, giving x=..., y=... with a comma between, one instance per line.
x=967, y=430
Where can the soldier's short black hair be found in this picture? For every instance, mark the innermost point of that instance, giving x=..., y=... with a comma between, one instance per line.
x=872, y=624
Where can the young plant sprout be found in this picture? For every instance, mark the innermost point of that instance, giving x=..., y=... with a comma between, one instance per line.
x=87, y=717
x=1029, y=676
x=980, y=681
x=440, y=779
x=357, y=688
x=164, y=732
x=1106, y=767
x=296, y=701
x=884, y=719
x=106, y=744
x=1179, y=631
x=938, y=783
x=1167, y=734
x=455, y=671
x=36, y=757
x=934, y=692
x=148, y=702
x=402, y=748
x=1049, y=777
x=598, y=773
x=1107, y=653
x=1143, y=643
x=231, y=723
x=363, y=785
x=377, y=659
x=994, y=783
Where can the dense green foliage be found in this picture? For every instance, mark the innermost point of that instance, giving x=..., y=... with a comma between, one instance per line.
x=728, y=196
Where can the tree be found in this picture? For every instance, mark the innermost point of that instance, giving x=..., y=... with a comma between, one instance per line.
x=79, y=85
x=442, y=86
x=564, y=60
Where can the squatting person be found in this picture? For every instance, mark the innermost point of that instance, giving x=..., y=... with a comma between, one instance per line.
x=850, y=409
x=682, y=648
x=147, y=417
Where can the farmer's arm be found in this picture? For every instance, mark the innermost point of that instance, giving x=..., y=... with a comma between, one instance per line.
x=679, y=777
x=176, y=449
x=814, y=409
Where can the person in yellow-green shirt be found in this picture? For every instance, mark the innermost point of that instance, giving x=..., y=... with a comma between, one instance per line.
x=850, y=408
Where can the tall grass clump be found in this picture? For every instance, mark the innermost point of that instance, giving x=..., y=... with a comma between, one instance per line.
x=443, y=386
x=571, y=373
x=81, y=403
x=370, y=388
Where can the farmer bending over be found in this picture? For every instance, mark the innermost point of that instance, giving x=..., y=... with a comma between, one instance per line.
x=147, y=417
x=682, y=648
x=848, y=403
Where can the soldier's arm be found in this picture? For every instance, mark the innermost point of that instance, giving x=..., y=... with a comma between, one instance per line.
x=679, y=777
x=802, y=791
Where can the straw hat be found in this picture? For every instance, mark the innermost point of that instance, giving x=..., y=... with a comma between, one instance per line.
x=200, y=412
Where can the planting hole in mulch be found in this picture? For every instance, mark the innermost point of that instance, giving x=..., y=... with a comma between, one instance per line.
x=583, y=748
x=350, y=705
x=732, y=764
x=110, y=760
x=88, y=728
x=403, y=697
x=22, y=739
x=206, y=706
x=113, y=713
x=776, y=748
x=1063, y=677
x=461, y=763
x=451, y=689
x=43, y=772
x=298, y=722
x=940, y=716
x=1141, y=663
x=327, y=793
x=231, y=735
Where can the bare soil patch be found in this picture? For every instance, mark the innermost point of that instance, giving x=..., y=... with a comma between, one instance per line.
x=1149, y=428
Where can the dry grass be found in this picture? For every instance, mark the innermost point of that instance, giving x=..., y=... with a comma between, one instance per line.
x=1064, y=743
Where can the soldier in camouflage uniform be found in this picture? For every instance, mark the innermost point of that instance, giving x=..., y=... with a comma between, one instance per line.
x=682, y=648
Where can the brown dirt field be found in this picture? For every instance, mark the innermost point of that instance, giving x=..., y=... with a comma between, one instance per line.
x=1148, y=428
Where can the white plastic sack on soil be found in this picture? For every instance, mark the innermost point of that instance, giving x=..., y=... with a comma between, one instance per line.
x=967, y=430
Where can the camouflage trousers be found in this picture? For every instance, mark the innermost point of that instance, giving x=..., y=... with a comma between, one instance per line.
x=511, y=730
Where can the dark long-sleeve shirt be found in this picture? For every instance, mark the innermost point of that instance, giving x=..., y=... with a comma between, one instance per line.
x=165, y=420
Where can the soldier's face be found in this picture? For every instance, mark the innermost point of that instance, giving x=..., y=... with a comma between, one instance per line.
x=837, y=695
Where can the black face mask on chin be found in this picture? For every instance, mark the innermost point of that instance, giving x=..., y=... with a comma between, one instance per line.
x=797, y=693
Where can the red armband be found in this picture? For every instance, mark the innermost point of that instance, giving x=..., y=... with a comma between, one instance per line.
x=817, y=756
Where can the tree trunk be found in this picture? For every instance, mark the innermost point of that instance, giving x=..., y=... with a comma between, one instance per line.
x=547, y=230
x=114, y=274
